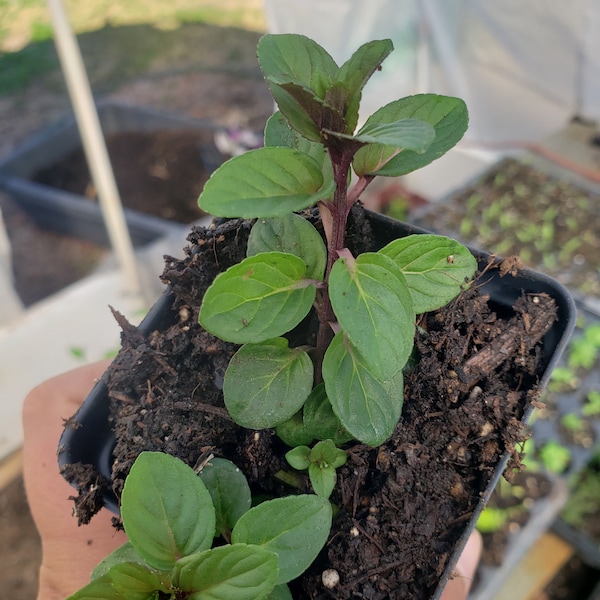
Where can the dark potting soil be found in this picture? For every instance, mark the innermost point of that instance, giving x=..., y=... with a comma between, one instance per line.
x=43, y=261
x=402, y=506
x=160, y=173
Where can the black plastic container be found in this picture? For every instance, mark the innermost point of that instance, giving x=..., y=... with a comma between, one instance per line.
x=92, y=442
x=73, y=214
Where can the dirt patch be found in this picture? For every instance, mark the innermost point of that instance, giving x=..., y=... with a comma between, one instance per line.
x=453, y=431
x=44, y=262
x=159, y=173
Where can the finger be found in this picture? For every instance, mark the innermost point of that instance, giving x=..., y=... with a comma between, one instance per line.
x=69, y=552
x=458, y=587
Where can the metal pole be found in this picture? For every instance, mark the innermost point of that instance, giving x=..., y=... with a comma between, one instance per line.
x=94, y=145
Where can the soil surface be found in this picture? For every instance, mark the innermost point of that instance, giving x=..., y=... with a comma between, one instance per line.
x=403, y=505
x=159, y=173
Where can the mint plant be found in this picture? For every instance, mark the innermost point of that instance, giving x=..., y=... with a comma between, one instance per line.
x=321, y=461
x=172, y=517
x=316, y=155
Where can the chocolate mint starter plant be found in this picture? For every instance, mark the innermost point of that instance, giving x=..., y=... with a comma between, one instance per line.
x=366, y=305
x=342, y=386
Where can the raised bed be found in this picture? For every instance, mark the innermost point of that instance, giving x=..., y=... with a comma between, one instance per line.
x=78, y=214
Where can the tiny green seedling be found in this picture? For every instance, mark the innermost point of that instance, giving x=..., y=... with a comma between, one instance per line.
x=555, y=457
x=572, y=422
x=583, y=351
x=591, y=408
x=321, y=461
x=172, y=516
x=366, y=305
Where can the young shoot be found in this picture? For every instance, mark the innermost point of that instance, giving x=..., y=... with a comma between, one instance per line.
x=366, y=305
x=321, y=461
x=172, y=517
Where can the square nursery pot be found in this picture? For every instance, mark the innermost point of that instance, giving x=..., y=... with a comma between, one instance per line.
x=548, y=216
x=570, y=423
x=91, y=441
x=69, y=213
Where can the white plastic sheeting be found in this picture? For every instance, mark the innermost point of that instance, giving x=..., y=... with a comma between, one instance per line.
x=525, y=68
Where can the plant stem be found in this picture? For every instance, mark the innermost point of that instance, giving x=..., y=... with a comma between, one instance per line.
x=336, y=239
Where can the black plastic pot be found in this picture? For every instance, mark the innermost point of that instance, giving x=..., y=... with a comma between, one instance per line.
x=73, y=214
x=93, y=441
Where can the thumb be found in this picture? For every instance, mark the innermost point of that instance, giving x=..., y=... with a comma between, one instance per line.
x=459, y=585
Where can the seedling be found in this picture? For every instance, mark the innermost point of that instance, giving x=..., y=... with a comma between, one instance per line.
x=572, y=422
x=172, y=517
x=345, y=384
x=584, y=350
x=591, y=408
x=583, y=507
x=321, y=461
x=555, y=457
x=366, y=305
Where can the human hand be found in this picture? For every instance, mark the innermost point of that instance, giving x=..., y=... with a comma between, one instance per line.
x=458, y=587
x=69, y=552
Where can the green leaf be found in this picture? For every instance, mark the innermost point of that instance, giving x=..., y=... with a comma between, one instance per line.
x=373, y=305
x=293, y=433
x=167, y=511
x=405, y=134
x=326, y=454
x=124, y=581
x=322, y=114
x=100, y=589
x=369, y=409
x=279, y=133
x=448, y=116
x=124, y=553
x=281, y=592
x=291, y=234
x=298, y=458
x=266, y=182
x=303, y=67
x=322, y=479
x=229, y=491
x=296, y=58
x=436, y=268
x=320, y=421
x=262, y=297
x=325, y=458
x=492, y=519
x=136, y=582
x=294, y=112
x=294, y=527
x=266, y=384
x=346, y=92
x=234, y=572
